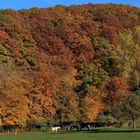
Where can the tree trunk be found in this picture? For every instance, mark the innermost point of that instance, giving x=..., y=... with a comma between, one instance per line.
x=133, y=122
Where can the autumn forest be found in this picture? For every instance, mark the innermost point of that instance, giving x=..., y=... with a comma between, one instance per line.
x=70, y=63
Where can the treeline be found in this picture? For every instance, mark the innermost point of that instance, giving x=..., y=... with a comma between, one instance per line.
x=70, y=63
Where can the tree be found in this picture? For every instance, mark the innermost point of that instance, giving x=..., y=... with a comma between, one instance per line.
x=66, y=99
x=105, y=55
x=42, y=94
x=92, y=77
x=90, y=108
x=128, y=50
x=116, y=93
x=129, y=109
x=117, y=90
x=92, y=74
x=13, y=111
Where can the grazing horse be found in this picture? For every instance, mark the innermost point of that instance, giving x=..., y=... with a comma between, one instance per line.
x=85, y=125
x=55, y=129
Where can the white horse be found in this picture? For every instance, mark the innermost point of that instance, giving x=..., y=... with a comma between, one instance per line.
x=55, y=129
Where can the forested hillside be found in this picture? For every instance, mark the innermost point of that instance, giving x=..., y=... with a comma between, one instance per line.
x=69, y=63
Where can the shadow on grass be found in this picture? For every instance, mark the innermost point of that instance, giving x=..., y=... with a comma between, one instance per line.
x=113, y=131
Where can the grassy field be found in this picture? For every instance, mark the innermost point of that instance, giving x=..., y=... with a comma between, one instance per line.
x=95, y=135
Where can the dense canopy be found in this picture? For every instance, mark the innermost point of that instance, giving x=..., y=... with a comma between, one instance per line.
x=67, y=63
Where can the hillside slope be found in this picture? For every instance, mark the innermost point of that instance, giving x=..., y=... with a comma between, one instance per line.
x=44, y=57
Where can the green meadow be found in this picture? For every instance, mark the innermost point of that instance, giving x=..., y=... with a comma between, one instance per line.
x=91, y=135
